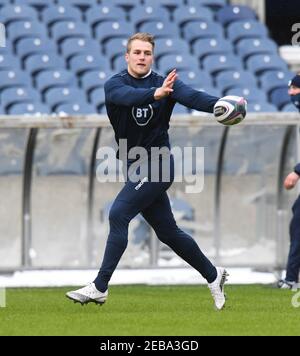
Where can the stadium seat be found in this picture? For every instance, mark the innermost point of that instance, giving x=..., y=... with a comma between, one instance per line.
x=34, y=45
x=69, y=29
x=170, y=45
x=280, y=97
x=74, y=46
x=57, y=96
x=180, y=109
x=115, y=47
x=231, y=13
x=169, y=4
x=178, y=61
x=261, y=107
x=289, y=108
x=217, y=63
x=97, y=97
x=25, y=29
x=9, y=61
x=213, y=4
x=119, y=64
x=86, y=62
x=202, y=29
x=251, y=94
x=94, y=79
x=246, y=29
x=37, y=4
x=185, y=14
x=274, y=79
x=207, y=46
x=113, y=29
x=32, y=108
x=14, y=78
x=81, y=4
x=160, y=29
x=54, y=14
x=142, y=14
x=249, y=47
x=127, y=5
x=54, y=78
x=11, y=13
x=76, y=108
x=261, y=63
x=195, y=78
x=17, y=95
x=99, y=14
x=235, y=78
x=43, y=61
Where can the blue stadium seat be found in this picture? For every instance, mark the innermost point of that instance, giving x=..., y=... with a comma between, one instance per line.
x=170, y=45
x=142, y=14
x=54, y=78
x=235, y=78
x=185, y=14
x=119, y=64
x=251, y=94
x=195, y=78
x=261, y=107
x=81, y=4
x=17, y=95
x=202, y=29
x=113, y=29
x=14, y=78
x=280, y=97
x=54, y=14
x=275, y=79
x=25, y=29
x=73, y=46
x=76, y=108
x=261, y=63
x=38, y=4
x=178, y=61
x=217, y=63
x=86, y=62
x=11, y=13
x=251, y=46
x=207, y=46
x=8, y=49
x=169, y=4
x=289, y=108
x=68, y=29
x=214, y=4
x=9, y=61
x=30, y=108
x=94, y=79
x=43, y=61
x=180, y=109
x=246, y=29
x=160, y=29
x=210, y=90
x=115, y=47
x=127, y=5
x=97, y=97
x=62, y=95
x=98, y=14
x=34, y=45
x=231, y=13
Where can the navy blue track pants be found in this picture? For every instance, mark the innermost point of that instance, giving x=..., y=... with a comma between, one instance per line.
x=151, y=200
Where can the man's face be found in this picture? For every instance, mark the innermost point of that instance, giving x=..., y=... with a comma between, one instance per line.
x=139, y=58
x=293, y=90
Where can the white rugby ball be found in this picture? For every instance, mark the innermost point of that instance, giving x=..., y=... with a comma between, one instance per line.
x=230, y=110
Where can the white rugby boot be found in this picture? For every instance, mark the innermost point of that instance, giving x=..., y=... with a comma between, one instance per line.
x=88, y=294
x=217, y=288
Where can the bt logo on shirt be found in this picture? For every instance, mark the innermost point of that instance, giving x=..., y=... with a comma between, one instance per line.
x=142, y=115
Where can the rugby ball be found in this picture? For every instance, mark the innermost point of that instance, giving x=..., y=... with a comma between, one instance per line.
x=230, y=110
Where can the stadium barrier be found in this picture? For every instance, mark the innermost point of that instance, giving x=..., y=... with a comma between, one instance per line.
x=54, y=211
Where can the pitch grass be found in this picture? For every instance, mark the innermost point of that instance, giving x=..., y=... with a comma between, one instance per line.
x=148, y=310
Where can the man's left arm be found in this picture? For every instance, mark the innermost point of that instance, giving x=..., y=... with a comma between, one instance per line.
x=192, y=98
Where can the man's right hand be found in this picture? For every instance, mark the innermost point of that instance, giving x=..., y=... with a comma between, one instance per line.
x=167, y=87
x=291, y=180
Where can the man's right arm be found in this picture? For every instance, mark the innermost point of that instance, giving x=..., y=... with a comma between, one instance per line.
x=118, y=93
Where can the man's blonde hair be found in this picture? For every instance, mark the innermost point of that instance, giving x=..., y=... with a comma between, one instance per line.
x=142, y=36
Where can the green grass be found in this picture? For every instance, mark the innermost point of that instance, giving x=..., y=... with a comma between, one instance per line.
x=147, y=310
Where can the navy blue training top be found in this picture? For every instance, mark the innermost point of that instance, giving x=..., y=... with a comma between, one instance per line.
x=136, y=116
